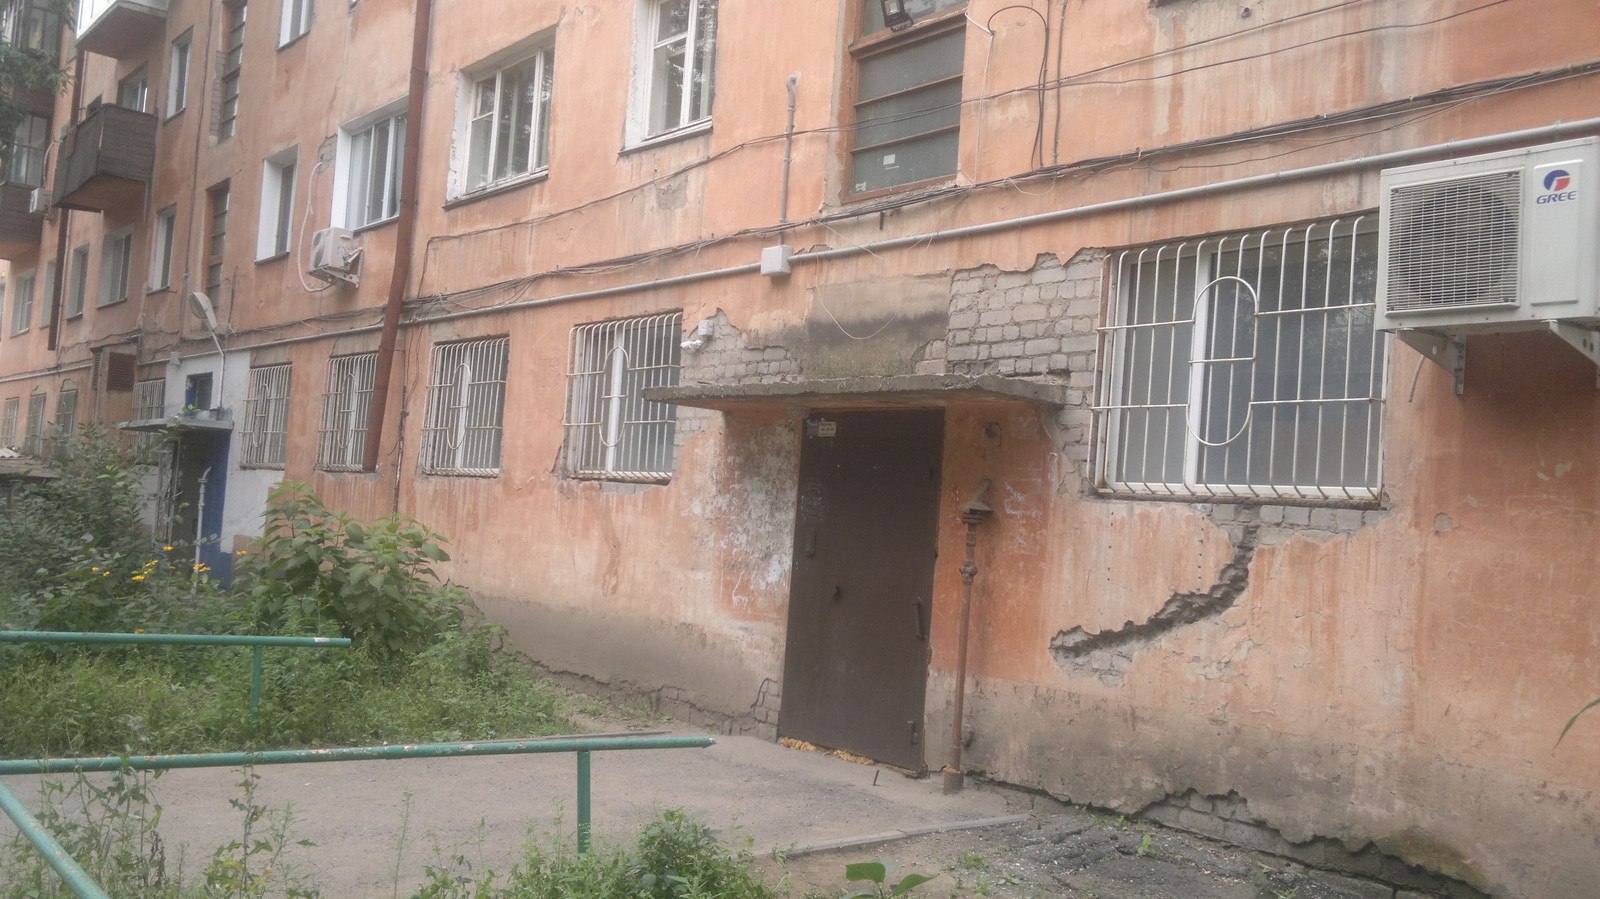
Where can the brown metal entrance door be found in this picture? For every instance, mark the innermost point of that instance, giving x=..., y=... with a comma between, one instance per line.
x=856, y=664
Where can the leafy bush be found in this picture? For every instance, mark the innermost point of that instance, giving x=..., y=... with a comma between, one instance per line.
x=375, y=582
x=676, y=857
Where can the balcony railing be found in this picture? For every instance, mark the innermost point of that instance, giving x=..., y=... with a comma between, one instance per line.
x=118, y=28
x=107, y=160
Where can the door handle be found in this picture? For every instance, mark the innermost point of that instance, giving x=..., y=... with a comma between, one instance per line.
x=916, y=613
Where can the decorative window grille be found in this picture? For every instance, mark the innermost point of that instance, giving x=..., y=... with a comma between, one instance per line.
x=150, y=400
x=66, y=423
x=344, y=412
x=33, y=442
x=266, y=418
x=462, y=432
x=1246, y=365
x=612, y=431
x=8, y=422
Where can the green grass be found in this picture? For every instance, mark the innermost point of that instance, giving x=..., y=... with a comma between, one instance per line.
x=72, y=701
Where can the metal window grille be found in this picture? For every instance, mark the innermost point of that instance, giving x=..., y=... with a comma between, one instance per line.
x=8, y=422
x=33, y=442
x=66, y=423
x=463, y=429
x=344, y=412
x=266, y=418
x=150, y=399
x=612, y=431
x=1245, y=365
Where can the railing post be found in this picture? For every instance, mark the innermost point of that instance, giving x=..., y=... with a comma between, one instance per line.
x=583, y=801
x=82, y=885
x=255, y=683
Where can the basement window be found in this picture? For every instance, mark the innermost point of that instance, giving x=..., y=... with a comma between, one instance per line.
x=463, y=430
x=1245, y=366
x=612, y=431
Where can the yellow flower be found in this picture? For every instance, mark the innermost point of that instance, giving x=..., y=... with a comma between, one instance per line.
x=138, y=577
x=94, y=567
x=166, y=549
x=138, y=630
x=105, y=574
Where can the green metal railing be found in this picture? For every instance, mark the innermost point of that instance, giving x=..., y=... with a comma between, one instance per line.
x=85, y=888
x=256, y=644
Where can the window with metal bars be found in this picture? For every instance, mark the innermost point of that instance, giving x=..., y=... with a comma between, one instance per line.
x=1246, y=365
x=65, y=429
x=33, y=440
x=344, y=412
x=8, y=422
x=462, y=431
x=150, y=399
x=612, y=431
x=263, y=439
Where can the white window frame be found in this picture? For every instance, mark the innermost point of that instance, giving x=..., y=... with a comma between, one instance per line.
x=294, y=20
x=377, y=136
x=464, y=428
x=8, y=421
x=178, y=74
x=275, y=231
x=490, y=163
x=77, y=280
x=22, y=302
x=263, y=439
x=1246, y=365
x=345, y=404
x=133, y=92
x=651, y=112
x=116, y=267
x=163, y=242
x=612, y=431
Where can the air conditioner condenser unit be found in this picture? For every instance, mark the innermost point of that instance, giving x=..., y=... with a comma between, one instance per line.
x=336, y=256
x=1501, y=242
x=39, y=201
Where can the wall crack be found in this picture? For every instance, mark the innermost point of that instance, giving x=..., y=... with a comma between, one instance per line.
x=1107, y=653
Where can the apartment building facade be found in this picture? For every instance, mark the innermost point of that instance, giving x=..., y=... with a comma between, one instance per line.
x=716, y=334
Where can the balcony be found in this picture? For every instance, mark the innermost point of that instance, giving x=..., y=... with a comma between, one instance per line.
x=107, y=160
x=20, y=230
x=119, y=28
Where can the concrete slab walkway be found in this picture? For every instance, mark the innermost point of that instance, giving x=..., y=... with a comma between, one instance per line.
x=356, y=812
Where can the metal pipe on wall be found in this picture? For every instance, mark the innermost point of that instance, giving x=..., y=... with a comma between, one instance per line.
x=973, y=513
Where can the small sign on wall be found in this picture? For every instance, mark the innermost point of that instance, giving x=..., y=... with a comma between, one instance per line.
x=821, y=427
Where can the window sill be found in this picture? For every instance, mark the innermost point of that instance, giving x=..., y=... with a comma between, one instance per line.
x=262, y=466
x=693, y=129
x=275, y=257
x=497, y=188
x=373, y=226
x=173, y=115
x=107, y=304
x=294, y=40
x=165, y=288
x=461, y=473
x=927, y=184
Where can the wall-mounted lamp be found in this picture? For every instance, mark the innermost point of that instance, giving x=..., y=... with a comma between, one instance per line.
x=895, y=15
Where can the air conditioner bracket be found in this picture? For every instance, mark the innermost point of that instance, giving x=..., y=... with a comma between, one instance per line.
x=1449, y=353
x=1584, y=340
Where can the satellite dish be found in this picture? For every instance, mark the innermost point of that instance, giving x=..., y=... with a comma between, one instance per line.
x=203, y=308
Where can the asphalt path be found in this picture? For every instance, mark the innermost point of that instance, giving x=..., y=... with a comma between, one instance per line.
x=377, y=823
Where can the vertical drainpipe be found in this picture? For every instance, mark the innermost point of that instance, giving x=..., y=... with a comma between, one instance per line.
x=56, y=290
x=973, y=513
x=405, y=228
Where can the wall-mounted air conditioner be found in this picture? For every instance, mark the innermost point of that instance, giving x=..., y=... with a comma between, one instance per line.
x=335, y=256
x=39, y=201
x=1501, y=242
